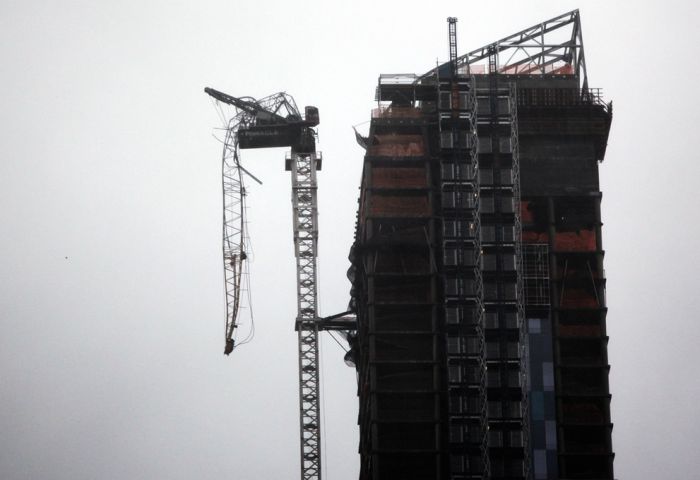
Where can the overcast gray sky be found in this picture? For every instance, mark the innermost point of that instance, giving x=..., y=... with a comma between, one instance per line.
x=111, y=285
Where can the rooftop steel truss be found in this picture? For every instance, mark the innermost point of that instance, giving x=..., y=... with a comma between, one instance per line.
x=554, y=46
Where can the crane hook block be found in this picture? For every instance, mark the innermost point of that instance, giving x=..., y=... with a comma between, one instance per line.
x=229, y=346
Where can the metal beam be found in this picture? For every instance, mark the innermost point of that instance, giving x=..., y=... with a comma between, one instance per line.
x=304, y=186
x=535, y=45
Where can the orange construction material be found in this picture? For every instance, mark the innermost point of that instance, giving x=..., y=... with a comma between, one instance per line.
x=397, y=146
x=399, y=178
x=578, y=298
x=558, y=68
x=579, y=330
x=581, y=241
x=399, y=206
x=526, y=215
x=535, y=237
x=473, y=69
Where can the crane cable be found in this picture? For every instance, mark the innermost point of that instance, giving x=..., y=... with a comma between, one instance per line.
x=322, y=382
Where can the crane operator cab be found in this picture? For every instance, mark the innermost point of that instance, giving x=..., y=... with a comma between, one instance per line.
x=311, y=116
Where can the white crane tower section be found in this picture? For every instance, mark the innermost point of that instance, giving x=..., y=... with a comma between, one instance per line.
x=275, y=121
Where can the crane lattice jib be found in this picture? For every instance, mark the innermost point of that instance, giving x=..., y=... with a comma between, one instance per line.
x=234, y=241
x=277, y=108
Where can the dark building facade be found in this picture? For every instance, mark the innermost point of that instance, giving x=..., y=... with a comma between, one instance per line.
x=477, y=268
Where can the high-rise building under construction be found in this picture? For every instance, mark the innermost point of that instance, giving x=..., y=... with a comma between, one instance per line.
x=477, y=267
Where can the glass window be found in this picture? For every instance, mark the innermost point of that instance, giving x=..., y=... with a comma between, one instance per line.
x=472, y=374
x=550, y=434
x=488, y=234
x=516, y=438
x=507, y=205
x=451, y=286
x=508, y=234
x=484, y=105
x=464, y=101
x=537, y=405
x=454, y=373
x=513, y=350
x=488, y=262
x=491, y=320
x=511, y=320
x=486, y=176
x=494, y=409
x=493, y=378
x=473, y=405
x=514, y=410
x=446, y=140
x=458, y=463
x=508, y=263
x=509, y=291
x=453, y=346
x=490, y=291
x=503, y=105
x=487, y=205
x=456, y=404
x=548, y=376
x=472, y=344
x=513, y=378
x=504, y=145
x=465, y=139
x=506, y=177
x=452, y=315
x=492, y=350
x=448, y=170
x=448, y=199
x=540, y=461
x=484, y=145
x=495, y=437
x=445, y=102
x=449, y=228
x=469, y=315
x=450, y=256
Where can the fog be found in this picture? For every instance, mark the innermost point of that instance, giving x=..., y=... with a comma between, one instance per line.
x=111, y=285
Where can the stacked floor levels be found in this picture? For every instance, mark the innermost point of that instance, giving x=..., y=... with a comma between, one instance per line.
x=478, y=280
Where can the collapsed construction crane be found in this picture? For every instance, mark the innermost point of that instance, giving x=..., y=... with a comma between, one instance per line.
x=275, y=121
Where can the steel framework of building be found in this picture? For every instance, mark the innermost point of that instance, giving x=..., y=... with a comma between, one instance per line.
x=503, y=248
x=553, y=46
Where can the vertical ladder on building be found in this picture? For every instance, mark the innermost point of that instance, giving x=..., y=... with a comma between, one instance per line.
x=465, y=343
x=520, y=285
x=502, y=276
x=303, y=168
